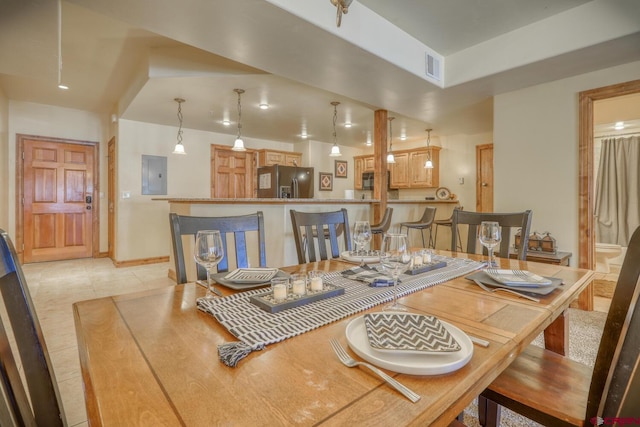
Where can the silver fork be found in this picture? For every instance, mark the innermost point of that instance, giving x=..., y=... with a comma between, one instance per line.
x=530, y=298
x=351, y=363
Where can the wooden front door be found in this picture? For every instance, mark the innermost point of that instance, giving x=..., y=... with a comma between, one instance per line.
x=231, y=173
x=58, y=200
x=484, y=178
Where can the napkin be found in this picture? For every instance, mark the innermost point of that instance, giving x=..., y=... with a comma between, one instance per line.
x=366, y=274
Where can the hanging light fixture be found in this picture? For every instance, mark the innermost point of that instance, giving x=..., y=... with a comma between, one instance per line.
x=238, y=145
x=428, y=164
x=179, y=148
x=335, y=150
x=390, y=156
x=343, y=8
x=60, y=84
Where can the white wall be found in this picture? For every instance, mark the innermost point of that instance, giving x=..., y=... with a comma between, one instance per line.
x=51, y=121
x=536, y=151
x=143, y=224
x=316, y=153
x=4, y=161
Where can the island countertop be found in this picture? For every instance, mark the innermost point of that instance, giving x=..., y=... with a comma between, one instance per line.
x=279, y=201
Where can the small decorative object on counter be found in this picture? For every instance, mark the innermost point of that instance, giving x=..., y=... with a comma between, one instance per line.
x=548, y=243
x=534, y=241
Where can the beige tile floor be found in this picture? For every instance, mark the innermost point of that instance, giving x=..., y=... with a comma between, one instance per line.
x=55, y=286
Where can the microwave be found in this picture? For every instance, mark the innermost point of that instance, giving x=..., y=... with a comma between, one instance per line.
x=367, y=180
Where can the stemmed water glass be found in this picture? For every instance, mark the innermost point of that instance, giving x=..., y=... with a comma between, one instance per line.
x=361, y=236
x=395, y=257
x=208, y=252
x=490, y=235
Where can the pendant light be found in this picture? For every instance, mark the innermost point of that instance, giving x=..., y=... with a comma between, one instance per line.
x=335, y=150
x=60, y=84
x=238, y=145
x=390, y=156
x=428, y=164
x=179, y=148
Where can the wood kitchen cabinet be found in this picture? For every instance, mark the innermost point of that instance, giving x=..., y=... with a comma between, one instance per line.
x=361, y=164
x=408, y=171
x=276, y=157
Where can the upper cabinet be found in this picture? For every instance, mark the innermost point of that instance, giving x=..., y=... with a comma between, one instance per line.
x=361, y=164
x=408, y=171
x=275, y=157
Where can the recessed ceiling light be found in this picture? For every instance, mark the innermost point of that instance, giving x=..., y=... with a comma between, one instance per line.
x=264, y=106
x=63, y=86
x=347, y=124
x=226, y=122
x=619, y=126
x=304, y=135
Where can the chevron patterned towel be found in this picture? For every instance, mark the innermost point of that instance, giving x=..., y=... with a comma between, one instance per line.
x=256, y=328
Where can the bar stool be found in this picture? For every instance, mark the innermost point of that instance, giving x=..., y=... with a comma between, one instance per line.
x=447, y=223
x=383, y=226
x=425, y=223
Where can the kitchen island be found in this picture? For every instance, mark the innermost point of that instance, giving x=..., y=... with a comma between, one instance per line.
x=281, y=250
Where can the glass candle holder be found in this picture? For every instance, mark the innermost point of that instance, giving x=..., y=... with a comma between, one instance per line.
x=279, y=288
x=315, y=281
x=298, y=284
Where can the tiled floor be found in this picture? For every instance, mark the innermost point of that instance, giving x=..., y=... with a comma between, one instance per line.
x=55, y=286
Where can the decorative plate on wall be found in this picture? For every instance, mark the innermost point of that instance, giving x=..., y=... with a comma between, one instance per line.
x=443, y=193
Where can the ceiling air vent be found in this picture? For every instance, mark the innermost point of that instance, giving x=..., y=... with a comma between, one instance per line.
x=433, y=67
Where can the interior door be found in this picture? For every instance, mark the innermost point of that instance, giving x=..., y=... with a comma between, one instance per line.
x=484, y=178
x=111, y=197
x=232, y=173
x=58, y=200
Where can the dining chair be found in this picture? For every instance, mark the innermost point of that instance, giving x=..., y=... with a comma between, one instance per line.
x=554, y=390
x=309, y=223
x=41, y=405
x=447, y=222
x=508, y=222
x=182, y=225
x=425, y=223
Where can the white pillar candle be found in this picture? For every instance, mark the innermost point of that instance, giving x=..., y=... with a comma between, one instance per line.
x=299, y=287
x=426, y=257
x=417, y=261
x=280, y=292
x=316, y=283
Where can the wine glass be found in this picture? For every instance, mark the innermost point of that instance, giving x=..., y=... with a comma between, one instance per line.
x=361, y=236
x=395, y=257
x=490, y=235
x=208, y=252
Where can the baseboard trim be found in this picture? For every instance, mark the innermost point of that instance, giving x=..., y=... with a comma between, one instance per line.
x=143, y=261
x=103, y=255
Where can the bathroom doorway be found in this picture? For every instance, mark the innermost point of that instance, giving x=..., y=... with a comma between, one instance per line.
x=597, y=107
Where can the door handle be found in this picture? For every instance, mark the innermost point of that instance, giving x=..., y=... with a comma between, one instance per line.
x=484, y=184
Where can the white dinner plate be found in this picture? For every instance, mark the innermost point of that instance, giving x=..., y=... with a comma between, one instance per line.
x=346, y=255
x=409, y=362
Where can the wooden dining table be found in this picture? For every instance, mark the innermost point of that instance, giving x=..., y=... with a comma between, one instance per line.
x=151, y=358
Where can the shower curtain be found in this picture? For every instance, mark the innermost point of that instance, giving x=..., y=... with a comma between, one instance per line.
x=617, y=206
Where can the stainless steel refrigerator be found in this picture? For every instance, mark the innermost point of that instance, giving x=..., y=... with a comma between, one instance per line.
x=279, y=181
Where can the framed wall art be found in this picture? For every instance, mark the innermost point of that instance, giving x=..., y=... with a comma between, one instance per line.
x=341, y=168
x=326, y=181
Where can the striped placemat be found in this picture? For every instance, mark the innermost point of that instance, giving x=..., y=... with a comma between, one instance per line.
x=256, y=328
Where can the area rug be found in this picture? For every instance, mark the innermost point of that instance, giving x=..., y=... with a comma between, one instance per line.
x=585, y=331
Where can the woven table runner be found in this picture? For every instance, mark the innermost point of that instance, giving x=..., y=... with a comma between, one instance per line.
x=256, y=328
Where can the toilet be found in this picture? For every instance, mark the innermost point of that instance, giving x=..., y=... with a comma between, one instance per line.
x=604, y=253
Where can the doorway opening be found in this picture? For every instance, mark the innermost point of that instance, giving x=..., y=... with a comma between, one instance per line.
x=586, y=178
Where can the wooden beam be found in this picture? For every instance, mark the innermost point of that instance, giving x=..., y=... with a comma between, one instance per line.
x=380, y=183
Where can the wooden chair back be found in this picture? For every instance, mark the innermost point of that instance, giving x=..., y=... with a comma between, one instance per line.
x=508, y=222
x=43, y=406
x=615, y=383
x=182, y=225
x=314, y=224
